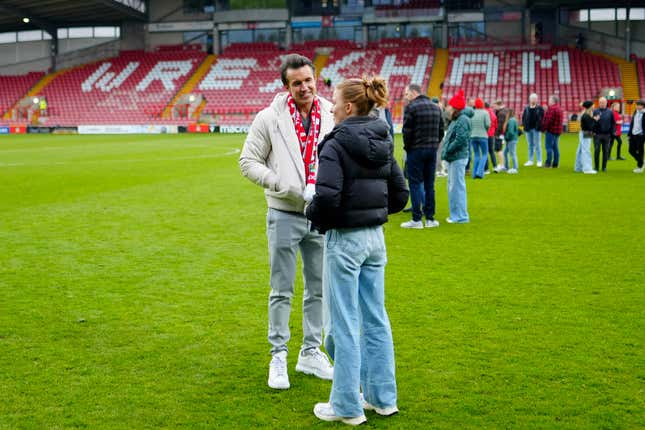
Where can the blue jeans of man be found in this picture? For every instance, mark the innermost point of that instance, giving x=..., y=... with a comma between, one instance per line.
x=583, y=154
x=457, y=201
x=360, y=337
x=510, y=152
x=422, y=164
x=533, y=138
x=552, y=150
x=480, y=151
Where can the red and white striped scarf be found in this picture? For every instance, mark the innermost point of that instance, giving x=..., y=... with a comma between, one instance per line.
x=308, y=141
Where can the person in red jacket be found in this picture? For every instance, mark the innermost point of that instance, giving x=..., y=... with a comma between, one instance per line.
x=491, y=138
x=619, y=130
x=552, y=126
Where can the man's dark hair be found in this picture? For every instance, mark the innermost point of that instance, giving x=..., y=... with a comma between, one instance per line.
x=640, y=102
x=294, y=61
x=414, y=87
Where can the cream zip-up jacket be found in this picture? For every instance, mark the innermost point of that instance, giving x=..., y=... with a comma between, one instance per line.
x=271, y=154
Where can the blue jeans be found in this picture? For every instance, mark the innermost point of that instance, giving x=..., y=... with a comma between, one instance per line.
x=480, y=149
x=583, y=154
x=533, y=137
x=422, y=164
x=457, y=191
x=360, y=337
x=510, y=151
x=552, y=150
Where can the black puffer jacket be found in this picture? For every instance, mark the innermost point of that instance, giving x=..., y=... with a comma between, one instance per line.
x=359, y=182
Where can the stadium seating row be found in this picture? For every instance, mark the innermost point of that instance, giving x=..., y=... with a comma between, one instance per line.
x=136, y=87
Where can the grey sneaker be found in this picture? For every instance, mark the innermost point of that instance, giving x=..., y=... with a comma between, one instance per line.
x=432, y=223
x=278, y=376
x=314, y=362
x=325, y=412
x=412, y=224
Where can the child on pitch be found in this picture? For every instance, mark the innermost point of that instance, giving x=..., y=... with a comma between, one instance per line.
x=358, y=184
x=511, y=137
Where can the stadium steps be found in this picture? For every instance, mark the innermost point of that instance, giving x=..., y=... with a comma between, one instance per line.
x=439, y=70
x=191, y=83
x=320, y=62
x=198, y=112
x=36, y=89
x=629, y=78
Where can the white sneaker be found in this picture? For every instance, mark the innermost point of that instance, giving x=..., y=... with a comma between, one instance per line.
x=412, y=224
x=314, y=362
x=486, y=172
x=278, y=377
x=528, y=163
x=449, y=221
x=638, y=170
x=590, y=172
x=432, y=223
x=325, y=412
x=386, y=412
x=511, y=171
x=539, y=164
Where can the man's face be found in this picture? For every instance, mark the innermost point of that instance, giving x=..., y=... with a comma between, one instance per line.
x=302, y=85
x=410, y=94
x=602, y=103
x=641, y=108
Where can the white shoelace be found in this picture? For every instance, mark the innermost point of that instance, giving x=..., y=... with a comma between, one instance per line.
x=280, y=366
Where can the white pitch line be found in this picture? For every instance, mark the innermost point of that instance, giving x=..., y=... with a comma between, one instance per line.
x=143, y=160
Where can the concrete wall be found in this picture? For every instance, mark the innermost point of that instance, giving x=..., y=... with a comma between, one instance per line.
x=504, y=30
x=12, y=53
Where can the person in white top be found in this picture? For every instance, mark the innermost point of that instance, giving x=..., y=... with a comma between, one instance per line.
x=637, y=135
x=280, y=155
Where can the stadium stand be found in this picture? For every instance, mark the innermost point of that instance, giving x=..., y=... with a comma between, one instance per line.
x=511, y=75
x=14, y=88
x=640, y=64
x=133, y=88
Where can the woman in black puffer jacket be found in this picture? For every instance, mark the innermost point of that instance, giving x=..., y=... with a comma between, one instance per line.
x=358, y=184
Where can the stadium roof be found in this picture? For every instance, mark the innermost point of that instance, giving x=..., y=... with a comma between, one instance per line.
x=51, y=14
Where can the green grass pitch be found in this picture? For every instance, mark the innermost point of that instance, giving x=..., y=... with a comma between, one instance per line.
x=134, y=283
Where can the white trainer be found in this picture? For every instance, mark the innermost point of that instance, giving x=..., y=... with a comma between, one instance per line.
x=590, y=172
x=539, y=164
x=528, y=163
x=432, y=223
x=412, y=224
x=325, y=412
x=638, y=170
x=278, y=376
x=512, y=171
x=386, y=412
x=313, y=361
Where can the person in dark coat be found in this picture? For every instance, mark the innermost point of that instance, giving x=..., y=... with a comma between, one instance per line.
x=604, y=133
x=358, y=184
x=637, y=135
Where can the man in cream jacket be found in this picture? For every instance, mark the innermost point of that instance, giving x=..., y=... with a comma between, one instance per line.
x=280, y=154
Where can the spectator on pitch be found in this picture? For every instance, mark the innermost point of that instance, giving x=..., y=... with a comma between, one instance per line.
x=615, y=107
x=637, y=135
x=470, y=102
x=552, y=127
x=502, y=117
x=280, y=154
x=587, y=126
x=531, y=120
x=442, y=166
x=358, y=185
x=385, y=115
x=479, y=138
x=455, y=152
x=605, y=129
x=421, y=136
x=511, y=137
x=491, y=138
